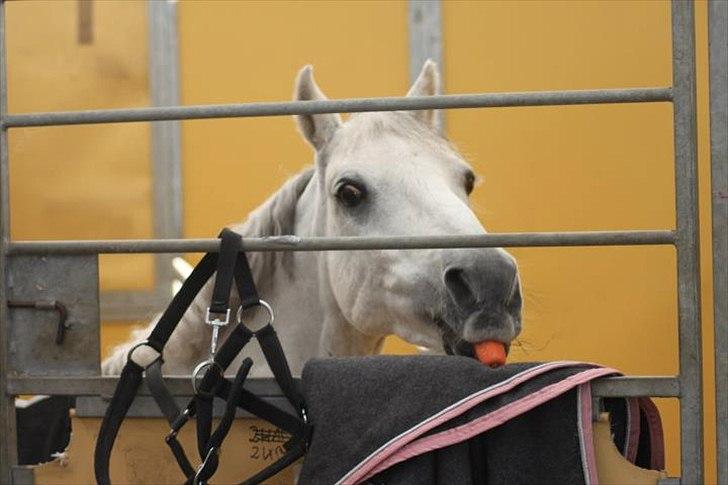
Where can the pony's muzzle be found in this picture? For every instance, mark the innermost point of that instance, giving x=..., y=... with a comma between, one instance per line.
x=484, y=295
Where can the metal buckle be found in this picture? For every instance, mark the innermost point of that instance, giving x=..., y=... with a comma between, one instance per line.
x=217, y=321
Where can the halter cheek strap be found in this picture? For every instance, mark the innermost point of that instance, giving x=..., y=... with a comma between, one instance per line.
x=231, y=264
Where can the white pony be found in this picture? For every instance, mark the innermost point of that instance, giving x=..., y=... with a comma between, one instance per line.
x=377, y=174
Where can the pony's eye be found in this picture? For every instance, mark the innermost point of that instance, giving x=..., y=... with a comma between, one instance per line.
x=350, y=194
x=469, y=182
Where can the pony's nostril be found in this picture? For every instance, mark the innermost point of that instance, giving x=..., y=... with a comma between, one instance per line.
x=458, y=287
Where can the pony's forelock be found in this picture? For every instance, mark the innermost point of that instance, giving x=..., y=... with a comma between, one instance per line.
x=362, y=128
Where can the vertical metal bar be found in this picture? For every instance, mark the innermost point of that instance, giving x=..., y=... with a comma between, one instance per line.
x=425, y=34
x=85, y=9
x=8, y=447
x=688, y=241
x=166, y=144
x=425, y=39
x=718, y=52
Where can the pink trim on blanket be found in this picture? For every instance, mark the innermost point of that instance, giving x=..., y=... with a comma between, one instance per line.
x=362, y=470
x=586, y=434
x=657, y=441
x=477, y=426
x=632, y=438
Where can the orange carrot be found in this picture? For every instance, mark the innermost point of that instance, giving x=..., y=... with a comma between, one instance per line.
x=491, y=353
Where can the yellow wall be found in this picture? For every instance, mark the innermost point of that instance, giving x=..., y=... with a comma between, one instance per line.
x=81, y=182
x=573, y=168
x=590, y=167
x=237, y=52
x=576, y=168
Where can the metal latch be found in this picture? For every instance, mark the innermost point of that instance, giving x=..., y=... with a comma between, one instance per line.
x=52, y=305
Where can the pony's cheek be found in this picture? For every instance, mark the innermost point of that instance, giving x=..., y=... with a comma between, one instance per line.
x=421, y=334
x=353, y=286
x=359, y=286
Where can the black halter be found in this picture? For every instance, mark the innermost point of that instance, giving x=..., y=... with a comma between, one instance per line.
x=231, y=264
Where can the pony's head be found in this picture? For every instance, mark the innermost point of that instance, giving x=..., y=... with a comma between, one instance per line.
x=394, y=174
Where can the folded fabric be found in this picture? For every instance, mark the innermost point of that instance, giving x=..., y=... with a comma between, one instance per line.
x=446, y=419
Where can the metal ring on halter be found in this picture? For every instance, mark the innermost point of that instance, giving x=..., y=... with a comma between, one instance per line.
x=264, y=304
x=199, y=368
x=143, y=343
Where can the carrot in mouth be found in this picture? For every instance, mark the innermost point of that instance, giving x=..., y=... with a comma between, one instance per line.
x=491, y=353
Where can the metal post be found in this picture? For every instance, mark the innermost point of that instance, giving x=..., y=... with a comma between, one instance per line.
x=688, y=241
x=8, y=447
x=718, y=40
x=166, y=168
x=166, y=149
x=425, y=40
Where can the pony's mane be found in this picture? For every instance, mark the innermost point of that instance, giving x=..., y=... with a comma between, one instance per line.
x=274, y=217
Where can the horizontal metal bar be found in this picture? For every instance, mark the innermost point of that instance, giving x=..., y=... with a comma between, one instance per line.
x=104, y=386
x=295, y=243
x=654, y=386
x=486, y=100
x=146, y=407
x=661, y=386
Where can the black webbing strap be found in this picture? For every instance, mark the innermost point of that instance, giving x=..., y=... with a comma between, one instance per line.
x=231, y=264
x=246, y=400
x=231, y=405
x=182, y=301
x=235, y=395
x=229, y=247
x=179, y=455
x=164, y=399
x=264, y=410
x=232, y=346
x=245, y=283
x=212, y=443
x=203, y=422
x=131, y=376
x=273, y=352
x=238, y=396
x=129, y=382
x=267, y=337
x=202, y=404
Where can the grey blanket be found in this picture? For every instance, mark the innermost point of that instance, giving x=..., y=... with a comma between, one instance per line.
x=445, y=419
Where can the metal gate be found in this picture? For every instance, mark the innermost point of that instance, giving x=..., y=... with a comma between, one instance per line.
x=42, y=270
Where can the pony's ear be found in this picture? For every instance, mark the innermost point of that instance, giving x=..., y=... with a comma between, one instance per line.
x=317, y=129
x=427, y=84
